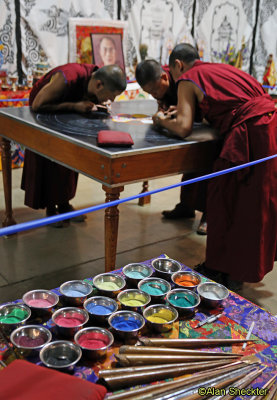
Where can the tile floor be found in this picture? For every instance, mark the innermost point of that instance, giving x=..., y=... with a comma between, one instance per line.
x=47, y=257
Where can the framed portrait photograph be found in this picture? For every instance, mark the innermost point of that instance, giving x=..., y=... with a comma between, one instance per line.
x=80, y=42
x=107, y=49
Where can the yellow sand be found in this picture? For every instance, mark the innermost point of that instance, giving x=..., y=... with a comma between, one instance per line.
x=161, y=317
x=137, y=301
x=107, y=286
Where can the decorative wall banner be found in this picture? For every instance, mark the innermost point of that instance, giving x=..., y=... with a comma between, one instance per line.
x=45, y=22
x=221, y=29
x=266, y=37
x=155, y=27
x=218, y=27
x=8, y=47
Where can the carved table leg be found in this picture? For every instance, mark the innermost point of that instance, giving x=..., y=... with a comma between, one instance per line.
x=146, y=199
x=7, y=181
x=111, y=227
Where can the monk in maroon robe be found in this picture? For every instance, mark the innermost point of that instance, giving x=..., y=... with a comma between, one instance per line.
x=157, y=81
x=242, y=206
x=68, y=88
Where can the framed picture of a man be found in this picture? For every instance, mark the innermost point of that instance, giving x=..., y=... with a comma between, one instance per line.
x=80, y=31
x=107, y=49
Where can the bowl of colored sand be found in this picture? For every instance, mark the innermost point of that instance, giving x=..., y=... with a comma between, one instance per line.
x=185, y=301
x=40, y=301
x=60, y=354
x=126, y=324
x=212, y=294
x=157, y=288
x=186, y=279
x=30, y=339
x=12, y=316
x=134, y=300
x=160, y=317
x=109, y=284
x=100, y=308
x=74, y=293
x=94, y=342
x=69, y=320
x=135, y=272
x=165, y=267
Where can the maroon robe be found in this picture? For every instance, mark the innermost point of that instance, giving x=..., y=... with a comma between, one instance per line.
x=45, y=182
x=242, y=206
x=192, y=196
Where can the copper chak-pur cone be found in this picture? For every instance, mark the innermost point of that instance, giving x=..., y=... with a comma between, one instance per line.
x=244, y=382
x=265, y=386
x=190, y=342
x=273, y=392
x=123, y=380
x=171, y=351
x=231, y=379
x=148, y=359
x=150, y=390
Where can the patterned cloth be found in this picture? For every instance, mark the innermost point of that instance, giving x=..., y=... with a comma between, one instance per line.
x=17, y=151
x=237, y=317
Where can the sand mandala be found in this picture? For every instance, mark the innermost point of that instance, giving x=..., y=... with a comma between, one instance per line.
x=142, y=118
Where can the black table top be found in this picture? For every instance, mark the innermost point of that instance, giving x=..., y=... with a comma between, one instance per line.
x=82, y=130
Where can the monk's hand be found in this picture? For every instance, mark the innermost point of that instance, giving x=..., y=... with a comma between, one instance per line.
x=84, y=107
x=171, y=112
x=158, y=118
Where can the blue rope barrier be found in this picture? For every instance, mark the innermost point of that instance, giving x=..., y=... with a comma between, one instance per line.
x=24, y=99
x=269, y=87
x=50, y=220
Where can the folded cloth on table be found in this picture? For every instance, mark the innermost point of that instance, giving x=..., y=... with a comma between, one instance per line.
x=22, y=380
x=114, y=138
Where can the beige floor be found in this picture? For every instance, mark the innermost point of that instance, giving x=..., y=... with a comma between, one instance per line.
x=47, y=257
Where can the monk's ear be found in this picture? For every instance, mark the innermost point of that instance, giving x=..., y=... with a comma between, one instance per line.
x=164, y=76
x=179, y=64
x=99, y=84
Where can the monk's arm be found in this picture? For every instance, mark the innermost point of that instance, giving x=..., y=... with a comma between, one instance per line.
x=182, y=124
x=49, y=98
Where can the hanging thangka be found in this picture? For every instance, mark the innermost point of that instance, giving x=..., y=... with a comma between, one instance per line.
x=45, y=22
x=154, y=28
x=223, y=29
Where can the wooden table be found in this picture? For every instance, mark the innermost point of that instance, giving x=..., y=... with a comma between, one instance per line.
x=71, y=140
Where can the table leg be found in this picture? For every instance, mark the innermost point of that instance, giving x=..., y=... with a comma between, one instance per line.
x=7, y=181
x=147, y=199
x=111, y=227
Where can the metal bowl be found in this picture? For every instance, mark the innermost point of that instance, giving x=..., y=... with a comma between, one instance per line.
x=157, y=309
x=40, y=301
x=109, y=284
x=74, y=293
x=165, y=267
x=100, y=308
x=5, y=312
x=155, y=285
x=185, y=301
x=64, y=327
x=30, y=339
x=134, y=300
x=191, y=279
x=135, y=272
x=90, y=351
x=212, y=294
x=117, y=320
x=60, y=354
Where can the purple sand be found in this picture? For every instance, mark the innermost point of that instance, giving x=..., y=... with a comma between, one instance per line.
x=26, y=341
